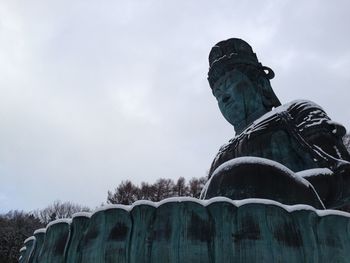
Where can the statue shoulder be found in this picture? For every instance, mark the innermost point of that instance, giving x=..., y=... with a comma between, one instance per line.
x=267, y=123
x=226, y=152
x=309, y=118
x=301, y=123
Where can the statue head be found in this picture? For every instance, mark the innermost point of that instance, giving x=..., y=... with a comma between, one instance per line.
x=240, y=83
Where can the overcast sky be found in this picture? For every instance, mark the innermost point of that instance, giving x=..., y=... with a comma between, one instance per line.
x=96, y=92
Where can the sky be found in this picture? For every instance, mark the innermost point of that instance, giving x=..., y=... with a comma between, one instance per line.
x=96, y=92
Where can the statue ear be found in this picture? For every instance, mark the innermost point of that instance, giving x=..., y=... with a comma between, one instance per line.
x=269, y=97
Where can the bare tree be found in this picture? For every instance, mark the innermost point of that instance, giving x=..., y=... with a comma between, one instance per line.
x=164, y=189
x=180, y=188
x=147, y=192
x=58, y=210
x=126, y=193
x=196, y=185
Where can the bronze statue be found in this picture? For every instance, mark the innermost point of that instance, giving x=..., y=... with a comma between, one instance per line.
x=292, y=153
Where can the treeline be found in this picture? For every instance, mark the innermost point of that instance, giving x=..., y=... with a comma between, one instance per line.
x=16, y=226
x=126, y=192
x=58, y=210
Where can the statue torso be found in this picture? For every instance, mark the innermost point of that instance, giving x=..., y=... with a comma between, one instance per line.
x=292, y=135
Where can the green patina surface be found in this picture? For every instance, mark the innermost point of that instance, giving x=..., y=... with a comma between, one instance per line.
x=78, y=227
x=298, y=135
x=39, y=241
x=291, y=153
x=107, y=237
x=189, y=230
x=55, y=241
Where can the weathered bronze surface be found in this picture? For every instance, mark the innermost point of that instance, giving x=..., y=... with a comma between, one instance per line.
x=291, y=153
x=298, y=135
x=187, y=230
x=39, y=241
x=56, y=238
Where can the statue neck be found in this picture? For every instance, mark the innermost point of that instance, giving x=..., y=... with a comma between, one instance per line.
x=240, y=127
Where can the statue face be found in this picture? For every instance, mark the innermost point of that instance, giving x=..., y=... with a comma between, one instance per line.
x=237, y=98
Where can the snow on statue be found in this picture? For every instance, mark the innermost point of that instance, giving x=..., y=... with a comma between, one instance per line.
x=278, y=149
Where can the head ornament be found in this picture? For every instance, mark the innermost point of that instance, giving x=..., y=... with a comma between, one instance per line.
x=229, y=54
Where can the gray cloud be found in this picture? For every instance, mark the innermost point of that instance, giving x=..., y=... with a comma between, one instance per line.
x=95, y=93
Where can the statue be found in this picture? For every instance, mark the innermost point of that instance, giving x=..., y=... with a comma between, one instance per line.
x=289, y=153
x=292, y=153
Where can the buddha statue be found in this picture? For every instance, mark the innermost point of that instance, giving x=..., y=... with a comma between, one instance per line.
x=291, y=153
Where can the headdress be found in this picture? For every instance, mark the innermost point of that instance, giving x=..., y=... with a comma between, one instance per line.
x=228, y=54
